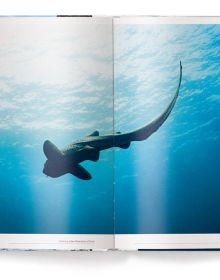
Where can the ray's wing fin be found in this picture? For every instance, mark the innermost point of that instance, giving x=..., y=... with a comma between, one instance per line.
x=124, y=145
x=80, y=172
x=94, y=133
x=51, y=151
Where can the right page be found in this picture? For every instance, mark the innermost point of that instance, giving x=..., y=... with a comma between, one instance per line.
x=167, y=94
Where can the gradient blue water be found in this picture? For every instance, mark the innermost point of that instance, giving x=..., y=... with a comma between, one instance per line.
x=169, y=183
x=56, y=84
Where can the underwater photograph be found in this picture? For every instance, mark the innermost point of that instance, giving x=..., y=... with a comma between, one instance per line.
x=55, y=86
x=109, y=128
x=169, y=183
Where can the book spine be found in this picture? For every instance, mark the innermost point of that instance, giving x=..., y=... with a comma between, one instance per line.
x=74, y=15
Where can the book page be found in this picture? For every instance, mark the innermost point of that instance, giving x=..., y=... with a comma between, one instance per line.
x=167, y=85
x=56, y=89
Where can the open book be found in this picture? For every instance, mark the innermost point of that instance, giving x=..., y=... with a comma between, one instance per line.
x=109, y=133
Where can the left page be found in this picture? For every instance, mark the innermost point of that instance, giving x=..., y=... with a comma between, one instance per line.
x=56, y=86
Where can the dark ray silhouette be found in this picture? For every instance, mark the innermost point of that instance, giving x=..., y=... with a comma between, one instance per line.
x=60, y=162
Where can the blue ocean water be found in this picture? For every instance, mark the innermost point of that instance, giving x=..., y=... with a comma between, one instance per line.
x=169, y=183
x=55, y=84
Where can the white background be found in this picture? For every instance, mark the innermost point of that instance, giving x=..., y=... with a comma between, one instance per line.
x=110, y=265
